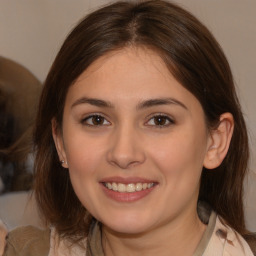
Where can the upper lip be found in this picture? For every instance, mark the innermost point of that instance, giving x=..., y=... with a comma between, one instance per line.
x=126, y=180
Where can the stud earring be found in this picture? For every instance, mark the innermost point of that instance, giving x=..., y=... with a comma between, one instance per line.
x=63, y=162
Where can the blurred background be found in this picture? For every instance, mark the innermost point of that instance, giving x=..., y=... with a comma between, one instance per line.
x=31, y=33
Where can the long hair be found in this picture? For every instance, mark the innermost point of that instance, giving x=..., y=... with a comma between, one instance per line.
x=194, y=58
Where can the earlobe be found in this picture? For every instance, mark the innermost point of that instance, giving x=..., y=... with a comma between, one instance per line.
x=219, y=141
x=58, y=140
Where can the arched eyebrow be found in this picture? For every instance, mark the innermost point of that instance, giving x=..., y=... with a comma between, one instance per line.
x=160, y=101
x=94, y=102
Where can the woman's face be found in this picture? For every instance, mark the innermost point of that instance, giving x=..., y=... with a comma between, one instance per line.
x=135, y=141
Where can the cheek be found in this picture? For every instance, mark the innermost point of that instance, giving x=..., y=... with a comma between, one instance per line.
x=180, y=157
x=85, y=160
x=84, y=154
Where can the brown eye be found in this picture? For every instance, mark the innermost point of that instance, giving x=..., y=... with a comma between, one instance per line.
x=95, y=120
x=160, y=120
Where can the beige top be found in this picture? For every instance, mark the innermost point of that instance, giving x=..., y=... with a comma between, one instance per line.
x=218, y=240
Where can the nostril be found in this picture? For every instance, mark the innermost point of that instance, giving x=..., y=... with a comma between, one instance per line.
x=126, y=161
x=125, y=149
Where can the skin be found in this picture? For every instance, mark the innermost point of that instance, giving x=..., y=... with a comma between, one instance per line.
x=129, y=142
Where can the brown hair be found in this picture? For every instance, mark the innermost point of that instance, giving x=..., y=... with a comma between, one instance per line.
x=193, y=57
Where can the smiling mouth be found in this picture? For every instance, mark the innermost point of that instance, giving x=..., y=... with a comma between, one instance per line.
x=128, y=188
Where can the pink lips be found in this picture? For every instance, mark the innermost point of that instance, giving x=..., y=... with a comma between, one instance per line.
x=128, y=180
x=126, y=196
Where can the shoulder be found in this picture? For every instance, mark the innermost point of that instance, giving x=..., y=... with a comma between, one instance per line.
x=251, y=240
x=63, y=246
x=3, y=233
x=226, y=241
x=32, y=241
x=26, y=241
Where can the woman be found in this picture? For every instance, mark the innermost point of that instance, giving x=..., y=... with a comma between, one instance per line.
x=141, y=144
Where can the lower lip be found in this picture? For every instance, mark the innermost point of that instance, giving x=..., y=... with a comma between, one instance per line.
x=126, y=196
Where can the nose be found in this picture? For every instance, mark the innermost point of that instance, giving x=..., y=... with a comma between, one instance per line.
x=126, y=148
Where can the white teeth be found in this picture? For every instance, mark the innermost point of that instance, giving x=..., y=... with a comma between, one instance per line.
x=138, y=187
x=121, y=187
x=150, y=185
x=131, y=187
x=144, y=185
x=114, y=186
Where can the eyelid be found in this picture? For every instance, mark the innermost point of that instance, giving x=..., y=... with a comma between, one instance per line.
x=168, y=118
x=91, y=115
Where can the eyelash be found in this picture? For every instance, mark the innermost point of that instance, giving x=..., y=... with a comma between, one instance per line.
x=164, y=117
x=101, y=119
x=85, y=120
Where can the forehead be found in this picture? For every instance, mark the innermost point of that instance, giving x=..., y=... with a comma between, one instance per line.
x=132, y=73
x=117, y=61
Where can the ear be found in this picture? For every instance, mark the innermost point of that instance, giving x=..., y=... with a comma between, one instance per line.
x=219, y=141
x=58, y=140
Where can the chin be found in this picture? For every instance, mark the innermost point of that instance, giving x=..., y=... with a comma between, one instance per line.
x=127, y=229
x=129, y=226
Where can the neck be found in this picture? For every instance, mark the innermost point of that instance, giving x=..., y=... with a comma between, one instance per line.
x=177, y=237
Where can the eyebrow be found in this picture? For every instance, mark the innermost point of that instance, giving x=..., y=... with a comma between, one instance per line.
x=141, y=105
x=160, y=101
x=94, y=102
